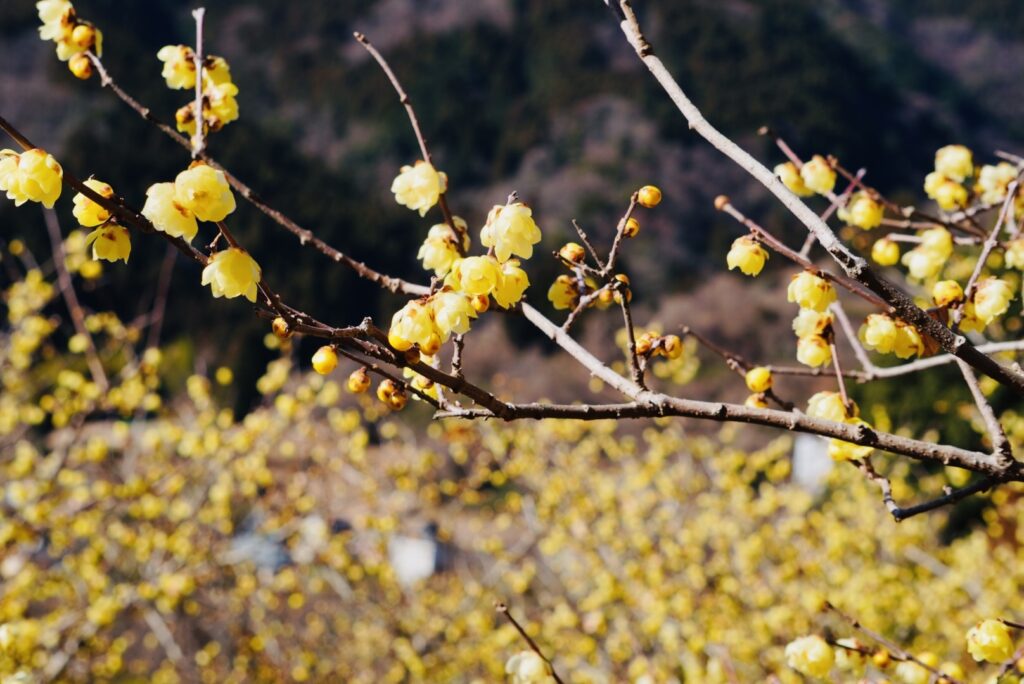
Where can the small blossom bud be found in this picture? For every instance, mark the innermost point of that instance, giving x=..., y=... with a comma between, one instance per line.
x=672, y=346
x=990, y=641
x=280, y=328
x=623, y=289
x=758, y=379
x=645, y=342
x=480, y=303
x=325, y=360
x=398, y=399
x=885, y=252
x=756, y=401
x=810, y=655
x=83, y=36
x=954, y=162
x=810, y=323
x=721, y=202
x=811, y=291
x=632, y=228
x=430, y=346
x=747, y=255
x=791, y=178
x=947, y=292
x=881, y=659
x=80, y=66
x=411, y=355
x=818, y=175
x=358, y=380
x=605, y=297
x=386, y=389
x=813, y=351
x=950, y=196
x=829, y=406
x=863, y=211
x=572, y=252
x=649, y=196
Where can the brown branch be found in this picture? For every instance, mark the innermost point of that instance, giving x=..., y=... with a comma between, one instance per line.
x=627, y=317
x=620, y=232
x=900, y=513
x=586, y=242
x=1000, y=444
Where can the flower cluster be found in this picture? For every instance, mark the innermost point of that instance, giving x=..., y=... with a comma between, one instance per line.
x=33, y=176
x=812, y=325
x=73, y=36
x=815, y=176
x=888, y=335
x=219, y=92
x=925, y=261
x=954, y=164
x=419, y=186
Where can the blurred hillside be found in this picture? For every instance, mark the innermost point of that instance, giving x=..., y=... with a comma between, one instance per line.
x=539, y=96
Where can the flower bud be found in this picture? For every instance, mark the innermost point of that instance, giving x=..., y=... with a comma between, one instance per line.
x=756, y=401
x=791, y=178
x=358, y=380
x=80, y=66
x=325, y=360
x=386, y=389
x=480, y=303
x=280, y=328
x=863, y=211
x=813, y=351
x=572, y=253
x=747, y=255
x=758, y=379
x=649, y=196
x=885, y=252
x=632, y=228
x=672, y=346
x=947, y=292
x=645, y=342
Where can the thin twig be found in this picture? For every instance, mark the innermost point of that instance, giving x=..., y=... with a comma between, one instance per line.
x=163, y=288
x=586, y=242
x=627, y=317
x=199, y=137
x=1000, y=444
x=620, y=232
x=503, y=609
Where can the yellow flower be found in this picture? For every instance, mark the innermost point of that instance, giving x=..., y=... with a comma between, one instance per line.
x=908, y=341
x=441, y=248
x=885, y=252
x=950, y=195
x=811, y=323
x=413, y=324
x=325, y=360
x=76, y=37
x=954, y=162
x=57, y=16
x=419, y=186
x=87, y=212
x=526, y=667
x=813, y=351
x=755, y=401
x=1015, y=254
x=511, y=285
x=990, y=641
x=912, y=673
x=80, y=66
x=993, y=181
x=818, y=175
x=232, y=273
x=863, y=211
x=758, y=379
x=927, y=259
x=452, y=313
x=991, y=299
x=879, y=333
x=205, y=192
x=947, y=292
x=220, y=107
x=790, y=177
x=747, y=255
x=829, y=406
x=179, y=68
x=841, y=450
x=810, y=655
x=110, y=243
x=167, y=214
x=811, y=291
x=30, y=176
x=510, y=230
x=476, y=275
x=563, y=293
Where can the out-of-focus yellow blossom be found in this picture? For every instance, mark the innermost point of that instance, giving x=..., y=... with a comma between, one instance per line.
x=932, y=182
x=829, y=406
x=910, y=672
x=791, y=178
x=993, y=181
x=755, y=401
x=1015, y=254
x=758, y=379
x=527, y=667
x=746, y=254
x=441, y=248
x=358, y=380
x=927, y=259
x=818, y=175
x=33, y=176
x=810, y=291
x=813, y=351
x=990, y=641
x=167, y=214
x=512, y=283
x=885, y=252
x=810, y=655
x=947, y=292
x=950, y=196
x=863, y=211
x=87, y=212
x=878, y=332
x=991, y=299
x=475, y=275
x=205, y=192
x=563, y=293
x=649, y=196
x=954, y=162
x=325, y=360
x=110, y=243
x=840, y=450
x=419, y=186
x=413, y=324
x=510, y=230
x=452, y=313
x=232, y=273
x=811, y=323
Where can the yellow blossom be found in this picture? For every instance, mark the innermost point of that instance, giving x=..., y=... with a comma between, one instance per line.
x=747, y=255
x=413, y=324
x=863, y=211
x=950, y=196
x=790, y=176
x=911, y=672
x=527, y=667
x=33, y=176
x=990, y=641
x=811, y=291
x=927, y=259
x=325, y=360
x=991, y=299
x=476, y=275
x=87, y=212
x=563, y=293
x=811, y=323
x=755, y=401
x=954, y=162
x=57, y=17
x=452, y=313
x=179, y=69
x=205, y=192
x=512, y=283
x=879, y=333
x=419, y=186
x=908, y=341
x=110, y=243
x=994, y=180
x=167, y=214
x=441, y=248
x=840, y=450
x=510, y=230
x=818, y=175
x=947, y=292
x=829, y=406
x=813, y=351
x=810, y=655
x=232, y=273
x=649, y=196
x=1015, y=254
x=885, y=252
x=758, y=379
x=358, y=380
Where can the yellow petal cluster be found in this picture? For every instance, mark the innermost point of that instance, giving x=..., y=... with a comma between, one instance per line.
x=927, y=259
x=512, y=284
x=955, y=162
x=32, y=176
x=419, y=186
x=993, y=181
x=179, y=68
x=110, y=243
x=947, y=292
x=441, y=248
x=167, y=214
x=991, y=299
x=87, y=212
x=885, y=252
x=746, y=254
x=72, y=35
x=563, y=293
x=863, y=211
x=813, y=351
x=205, y=192
x=818, y=175
x=452, y=313
x=475, y=275
x=810, y=291
x=790, y=176
x=510, y=230
x=947, y=193
x=232, y=273
x=810, y=655
x=990, y=641
x=758, y=379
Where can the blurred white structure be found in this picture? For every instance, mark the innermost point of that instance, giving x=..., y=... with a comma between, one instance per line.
x=811, y=462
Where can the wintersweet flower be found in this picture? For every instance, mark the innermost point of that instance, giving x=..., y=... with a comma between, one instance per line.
x=863, y=211
x=885, y=252
x=452, y=313
x=511, y=285
x=818, y=175
x=76, y=37
x=878, y=332
x=476, y=275
x=927, y=259
x=908, y=341
x=954, y=162
x=910, y=672
x=510, y=230
x=813, y=351
x=947, y=292
x=994, y=180
x=991, y=299
x=1015, y=254
x=110, y=243
x=219, y=108
x=179, y=68
x=205, y=192
x=413, y=324
x=810, y=323
x=57, y=17
x=810, y=655
x=758, y=379
x=990, y=641
x=791, y=178
x=167, y=214
x=811, y=291
x=950, y=196
x=829, y=406
x=755, y=401
x=232, y=273
x=33, y=176
x=563, y=293
x=419, y=186
x=87, y=212
x=358, y=380
x=747, y=255
x=325, y=360
x=840, y=450
x=441, y=248
x=932, y=182
x=649, y=196
x=527, y=667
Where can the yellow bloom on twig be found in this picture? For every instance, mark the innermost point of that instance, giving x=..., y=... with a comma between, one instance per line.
x=232, y=273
